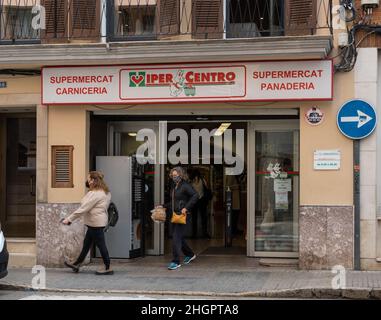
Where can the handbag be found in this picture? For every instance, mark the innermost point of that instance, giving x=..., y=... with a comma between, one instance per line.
x=177, y=218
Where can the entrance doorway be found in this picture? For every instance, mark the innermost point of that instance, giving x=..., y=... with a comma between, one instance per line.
x=208, y=233
x=265, y=195
x=18, y=175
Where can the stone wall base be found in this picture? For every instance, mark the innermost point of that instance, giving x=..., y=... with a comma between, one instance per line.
x=326, y=237
x=55, y=241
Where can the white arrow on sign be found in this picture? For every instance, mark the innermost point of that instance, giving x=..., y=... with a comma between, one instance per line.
x=362, y=119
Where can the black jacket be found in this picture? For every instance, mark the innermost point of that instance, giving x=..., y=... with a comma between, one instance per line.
x=185, y=197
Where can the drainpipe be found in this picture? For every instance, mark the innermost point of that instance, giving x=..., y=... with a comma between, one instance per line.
x=356, y=201
x=225, y=3
x=103, y=21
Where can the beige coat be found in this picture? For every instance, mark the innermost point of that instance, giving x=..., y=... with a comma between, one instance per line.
x=93, y=208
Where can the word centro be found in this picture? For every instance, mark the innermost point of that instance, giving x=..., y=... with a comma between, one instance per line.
x=179, y=153
x=191, y=78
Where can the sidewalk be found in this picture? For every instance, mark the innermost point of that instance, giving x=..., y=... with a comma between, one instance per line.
x=217, y=276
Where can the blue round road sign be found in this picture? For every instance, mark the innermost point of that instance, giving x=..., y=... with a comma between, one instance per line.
x=357, y=119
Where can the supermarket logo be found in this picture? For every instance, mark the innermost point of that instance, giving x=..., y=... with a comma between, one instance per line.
x=137, y=79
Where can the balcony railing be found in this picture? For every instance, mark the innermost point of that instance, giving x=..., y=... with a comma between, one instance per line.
x=118, y=20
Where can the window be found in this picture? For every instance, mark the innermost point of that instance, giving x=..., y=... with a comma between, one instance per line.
x=16, y=23
x=136, y=21
x=255, y=18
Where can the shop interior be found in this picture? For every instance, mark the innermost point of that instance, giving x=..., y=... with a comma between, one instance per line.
x=207, y=233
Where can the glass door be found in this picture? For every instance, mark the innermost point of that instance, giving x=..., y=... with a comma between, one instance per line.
x=276, y=190
x=123, y=142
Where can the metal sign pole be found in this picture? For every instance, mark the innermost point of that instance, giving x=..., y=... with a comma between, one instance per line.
x=356, y=200
x=356, y=120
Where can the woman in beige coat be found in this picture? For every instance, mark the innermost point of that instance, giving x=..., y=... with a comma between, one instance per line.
x=93, y=208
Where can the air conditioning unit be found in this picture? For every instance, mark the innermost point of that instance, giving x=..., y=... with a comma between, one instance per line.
x=367, y=4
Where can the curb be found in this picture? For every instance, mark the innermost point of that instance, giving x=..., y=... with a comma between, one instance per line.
x=305, y=293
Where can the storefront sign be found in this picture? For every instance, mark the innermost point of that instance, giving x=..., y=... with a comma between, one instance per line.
x=182, y=83
x=327, y=159
x=314, y=116
x=246, y=81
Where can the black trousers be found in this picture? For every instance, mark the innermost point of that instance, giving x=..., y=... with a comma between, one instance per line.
x=94, y=235
x=179, y=244
x=200, y=209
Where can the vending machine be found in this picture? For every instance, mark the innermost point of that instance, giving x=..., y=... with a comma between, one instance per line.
x=125, y=178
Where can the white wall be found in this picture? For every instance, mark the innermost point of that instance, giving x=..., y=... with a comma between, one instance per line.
x=378, y=134
x=366, y=87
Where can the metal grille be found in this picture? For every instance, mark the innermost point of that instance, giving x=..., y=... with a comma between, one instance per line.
x=62, y=166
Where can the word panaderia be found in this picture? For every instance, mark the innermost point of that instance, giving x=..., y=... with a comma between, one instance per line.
x=290, y=80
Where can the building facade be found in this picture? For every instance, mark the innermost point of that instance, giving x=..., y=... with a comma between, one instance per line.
x=83, y=87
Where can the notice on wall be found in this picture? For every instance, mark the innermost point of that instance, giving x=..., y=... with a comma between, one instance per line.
x=203, y=82
x=327, y=160
x=281, y=200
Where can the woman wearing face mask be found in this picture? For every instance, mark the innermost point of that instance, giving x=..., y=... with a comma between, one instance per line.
x=93, y=208
x=183, y=198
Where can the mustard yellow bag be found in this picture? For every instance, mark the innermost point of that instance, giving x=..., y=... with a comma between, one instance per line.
x=179, y=218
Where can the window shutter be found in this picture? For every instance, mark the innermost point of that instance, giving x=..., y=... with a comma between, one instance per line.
x=85, y=18
x=62, y=166
x=169, y=17
x=56, y=18
x=207, y=19
x=300, y=17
